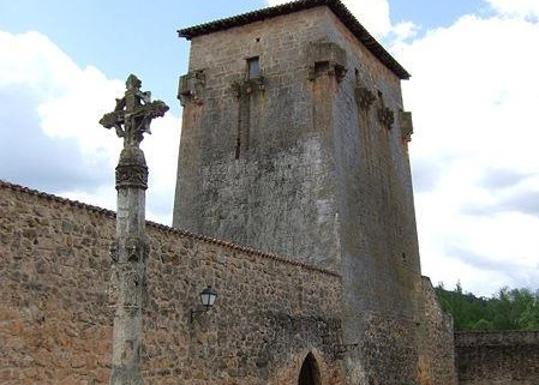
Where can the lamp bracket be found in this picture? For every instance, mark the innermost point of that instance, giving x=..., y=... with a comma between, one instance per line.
x=203, y=310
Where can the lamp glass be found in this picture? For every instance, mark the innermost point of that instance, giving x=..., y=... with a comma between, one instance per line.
x=208, y=297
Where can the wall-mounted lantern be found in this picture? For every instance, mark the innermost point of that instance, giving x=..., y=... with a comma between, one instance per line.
x=207, y=297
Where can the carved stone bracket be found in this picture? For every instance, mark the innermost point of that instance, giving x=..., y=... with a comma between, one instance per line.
x=191, y=88
x=326, y=58
x=386, y=117
x=406, y=125
x=248, y=86
x=364, y=98
x=339, y=71
x=327, y=68
x=114, y=252
x=137, y=249
x=132, y=170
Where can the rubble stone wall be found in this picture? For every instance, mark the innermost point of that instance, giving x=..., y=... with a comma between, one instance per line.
x=56, y=326
x=437, y=342
x=380, y=254
x=497, y=358
x=290, y=162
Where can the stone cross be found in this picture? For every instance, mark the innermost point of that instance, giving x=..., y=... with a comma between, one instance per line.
x=131, y=118
x=135, y=112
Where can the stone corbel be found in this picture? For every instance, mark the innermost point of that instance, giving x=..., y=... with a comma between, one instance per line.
x=191, y=87
x=386, y=117
x=327, y=58
x=339, y=71
x=406, y=125
x=248, y=87
x=364, y=98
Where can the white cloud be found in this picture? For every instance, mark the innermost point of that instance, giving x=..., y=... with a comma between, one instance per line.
x=474, y=96
x=404, y=31
x=522, y=8
x=52, y=126
x=373, y=14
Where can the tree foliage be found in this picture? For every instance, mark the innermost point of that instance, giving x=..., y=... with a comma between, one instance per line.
x=509, y=309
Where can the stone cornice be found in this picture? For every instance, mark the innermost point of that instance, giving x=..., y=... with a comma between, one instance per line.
x=338, y=8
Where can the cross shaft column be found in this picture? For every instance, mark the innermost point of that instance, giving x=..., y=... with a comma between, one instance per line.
x=130, y=250
x=129, y=267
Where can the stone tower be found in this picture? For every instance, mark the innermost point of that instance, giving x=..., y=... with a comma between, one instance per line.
x=294, y=140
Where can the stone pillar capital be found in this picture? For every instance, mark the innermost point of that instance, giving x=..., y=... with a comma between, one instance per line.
x=132, y=171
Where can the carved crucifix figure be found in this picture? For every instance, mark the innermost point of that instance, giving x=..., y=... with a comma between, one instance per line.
x=133, y=113
x=131, y=118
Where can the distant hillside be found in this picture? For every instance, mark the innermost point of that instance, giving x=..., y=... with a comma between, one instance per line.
x=509, y=309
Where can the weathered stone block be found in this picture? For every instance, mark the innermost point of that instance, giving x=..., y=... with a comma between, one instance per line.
x=406, y=125
x=326, y=58
x=191, y=87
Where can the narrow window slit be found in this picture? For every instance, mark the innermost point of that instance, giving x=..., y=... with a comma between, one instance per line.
x=253, y=67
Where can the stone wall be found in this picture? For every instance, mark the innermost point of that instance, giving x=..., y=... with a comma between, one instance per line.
x=380, y=254
x=255, y=166
x=437, y=343
x=293, y=162
x=497, y=358
x=56, y=326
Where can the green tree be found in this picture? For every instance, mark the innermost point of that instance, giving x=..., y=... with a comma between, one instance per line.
x=509, y=309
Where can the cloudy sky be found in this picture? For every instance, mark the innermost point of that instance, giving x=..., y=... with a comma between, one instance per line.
x=474, y=95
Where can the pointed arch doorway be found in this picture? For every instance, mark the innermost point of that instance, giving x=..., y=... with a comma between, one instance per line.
x=309, y=373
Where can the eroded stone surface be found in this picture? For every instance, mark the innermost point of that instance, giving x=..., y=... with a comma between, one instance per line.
x=436, y=340
x=294, y=161
x=131, y=119
x=311, y=165
x=56, y=318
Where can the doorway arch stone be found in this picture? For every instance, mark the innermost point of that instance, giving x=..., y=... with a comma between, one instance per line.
x=310, y=371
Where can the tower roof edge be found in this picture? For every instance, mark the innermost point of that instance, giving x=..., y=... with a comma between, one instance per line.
x=338, y=8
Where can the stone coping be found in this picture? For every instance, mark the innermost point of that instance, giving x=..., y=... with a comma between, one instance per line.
x=166, y=229
x=498, y=338
x=338, y=8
